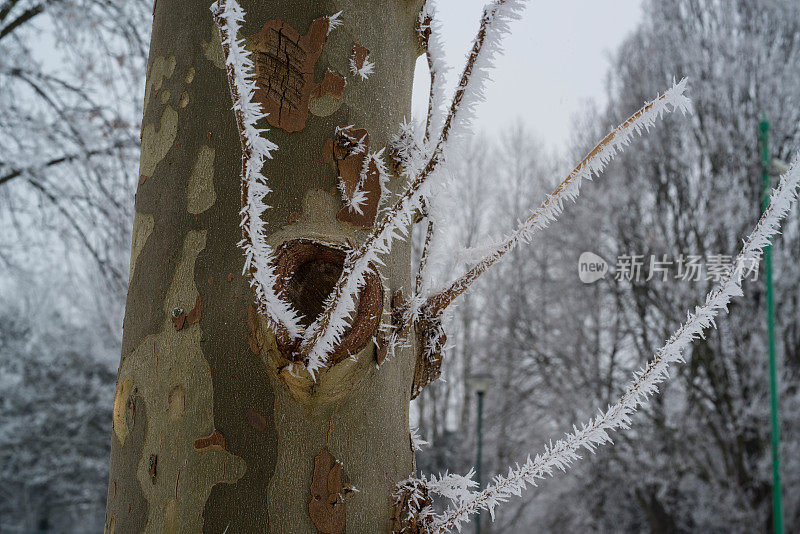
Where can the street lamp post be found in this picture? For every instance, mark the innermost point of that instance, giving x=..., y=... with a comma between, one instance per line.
x=479, y=383
x=777, y=506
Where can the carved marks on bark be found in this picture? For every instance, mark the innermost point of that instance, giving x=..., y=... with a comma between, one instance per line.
x=284, y=64
x=327, y=508
x=348, y=151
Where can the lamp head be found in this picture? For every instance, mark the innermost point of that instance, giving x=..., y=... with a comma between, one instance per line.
x=479, y=382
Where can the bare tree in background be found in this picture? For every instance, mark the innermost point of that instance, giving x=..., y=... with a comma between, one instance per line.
x=71, y=77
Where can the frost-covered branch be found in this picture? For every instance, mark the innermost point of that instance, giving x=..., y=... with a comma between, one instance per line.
x=321, y=337
x=228, y=16
x=430, y=34
x=592, y=165
x=564, y=452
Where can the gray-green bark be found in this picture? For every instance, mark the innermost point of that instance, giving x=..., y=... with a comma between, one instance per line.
x=191, y=366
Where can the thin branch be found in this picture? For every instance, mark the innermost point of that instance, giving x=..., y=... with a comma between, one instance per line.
x=24, y=17
x=107, y=269
x=283, y=318
x=562, y=453
x=67, y=158
x=423, y=260
x=592, y=165
x=7, y=7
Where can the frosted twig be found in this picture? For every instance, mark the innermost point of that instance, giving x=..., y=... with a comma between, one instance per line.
x=592, y=165
x=321, y=337
x=283, y=318
x=430, y=34
x=564, y=452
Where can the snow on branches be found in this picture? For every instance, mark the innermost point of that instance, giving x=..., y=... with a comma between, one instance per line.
x=592, y=165
x=255, y=150
x=321, y=337
x=562, y=453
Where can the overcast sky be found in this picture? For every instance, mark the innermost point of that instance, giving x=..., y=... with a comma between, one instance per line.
x=555, y=60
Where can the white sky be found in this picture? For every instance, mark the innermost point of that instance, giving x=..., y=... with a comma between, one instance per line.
x=555, y=60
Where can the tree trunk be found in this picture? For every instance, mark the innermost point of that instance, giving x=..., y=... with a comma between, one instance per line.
x=211, y=431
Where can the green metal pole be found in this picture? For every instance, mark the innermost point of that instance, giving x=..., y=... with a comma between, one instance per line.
x=480, y=457
x=777, y=508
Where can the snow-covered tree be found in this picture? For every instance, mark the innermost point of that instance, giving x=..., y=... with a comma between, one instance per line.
x=273, y=334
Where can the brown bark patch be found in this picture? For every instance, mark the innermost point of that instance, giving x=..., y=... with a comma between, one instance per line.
x=348, y=151
x=196, y=312
x=284, y=64
x=360, y=53
x=409, y=502
x=152, y=466
x=213, y=442
x=307, y=272
x=180, y=318
x=256, y=420
x=432, y=339
x=326, y=507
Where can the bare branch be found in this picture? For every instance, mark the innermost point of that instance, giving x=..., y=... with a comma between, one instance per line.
x=24, y=17
x=592, y=165
x=67, y=158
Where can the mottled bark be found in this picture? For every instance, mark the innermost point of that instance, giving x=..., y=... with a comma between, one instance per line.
x=211, y=431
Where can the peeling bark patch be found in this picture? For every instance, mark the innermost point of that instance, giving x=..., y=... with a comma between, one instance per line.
x=162, y=68
x=156, y=143
x=180, y=318
x=122, y=405
x=143, y=224
x=409, y=502
x=307, y=272
x=429, y=353
x=348, y=152
x=197, y=312
x=326, y=507
x=168, y=367
x=200, y=193
x=326, y=98
x=284, y=64
x=256, y=420
x=213, y=442
x=152, y=466
x=360, y=53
